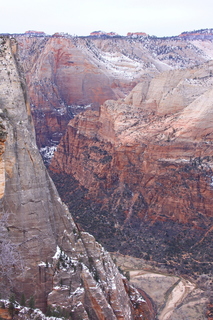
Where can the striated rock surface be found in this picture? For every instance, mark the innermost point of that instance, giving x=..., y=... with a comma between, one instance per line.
x=3, y=135
x=138, y=173
x=43, y=254
x=67, y=74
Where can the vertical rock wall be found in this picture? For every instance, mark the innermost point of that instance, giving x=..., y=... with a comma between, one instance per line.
x=43, y=254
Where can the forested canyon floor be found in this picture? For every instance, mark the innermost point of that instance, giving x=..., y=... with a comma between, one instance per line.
x=136, y=172
x=152, y=150
x=44, y=255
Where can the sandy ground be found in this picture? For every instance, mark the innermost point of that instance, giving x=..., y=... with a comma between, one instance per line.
x=180, y=291
x=174, y=297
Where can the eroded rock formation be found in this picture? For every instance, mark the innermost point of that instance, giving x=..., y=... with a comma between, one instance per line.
x=43, y=253
x=67, y=74
x=140, y=170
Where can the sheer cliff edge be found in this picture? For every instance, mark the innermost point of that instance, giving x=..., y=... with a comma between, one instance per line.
x=43, y=253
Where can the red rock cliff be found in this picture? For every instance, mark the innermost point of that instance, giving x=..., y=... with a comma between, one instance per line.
x=67, y=74
x=146, y=161
x=43, y=253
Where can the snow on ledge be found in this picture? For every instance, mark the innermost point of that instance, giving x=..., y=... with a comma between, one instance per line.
x=57, y=254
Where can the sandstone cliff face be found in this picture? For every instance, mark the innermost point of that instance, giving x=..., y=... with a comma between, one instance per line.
x=67, y=74
x=3, y=135
x=43, y=254
x=143, y=167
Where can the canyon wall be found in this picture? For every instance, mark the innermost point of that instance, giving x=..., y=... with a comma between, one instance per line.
x=66, y=74
x=138, y=172
x=43, y=253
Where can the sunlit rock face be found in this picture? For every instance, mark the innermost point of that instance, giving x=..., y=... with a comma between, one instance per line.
x=3, y=135
x=43, y=253
x=67, y=75
x=138, y=172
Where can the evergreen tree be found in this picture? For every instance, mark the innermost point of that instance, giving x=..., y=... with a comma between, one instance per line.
x=127, y=275
x=31, y=303
x=23, y=300
x=49, y=311
x=12, y=305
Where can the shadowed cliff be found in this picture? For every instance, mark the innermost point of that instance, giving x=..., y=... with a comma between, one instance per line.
x=142, y=168
x=43, y=253
x=66, y=74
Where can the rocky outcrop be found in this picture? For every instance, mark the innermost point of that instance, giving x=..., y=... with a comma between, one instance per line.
x=198, y=34
x=140, y=170
x=35, y=33
x=43, y=253
x=67, y=74
x=3, y=135
x=137, y=34
x=104, y=34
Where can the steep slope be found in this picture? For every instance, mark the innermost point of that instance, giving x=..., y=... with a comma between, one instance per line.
x=67, y=74
x=139, y=171
x=43, y=254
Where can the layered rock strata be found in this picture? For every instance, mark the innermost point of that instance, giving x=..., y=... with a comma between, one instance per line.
x=141, y=167
x=67, y=74
x=43, y=253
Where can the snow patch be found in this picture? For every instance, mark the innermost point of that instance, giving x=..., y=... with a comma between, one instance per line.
x=76, y=109
x=61, y=111
x=56, y=288
x=121, y=64
x=76, y=306
x=48, y=152
x=79, y=291
x=59, y=200
x=57, y=254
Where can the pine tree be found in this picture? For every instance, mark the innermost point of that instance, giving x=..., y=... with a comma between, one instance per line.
x=23, y=300
x=49, y=311
x=12, y=305
x=31, y=303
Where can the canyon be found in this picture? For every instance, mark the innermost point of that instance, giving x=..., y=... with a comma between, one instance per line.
x=130, y=121
x=175, y=297
x=68, y=74
x=138, y=172
x=44, y=255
